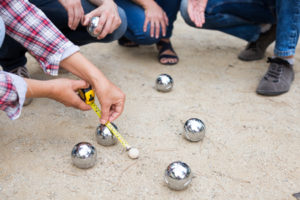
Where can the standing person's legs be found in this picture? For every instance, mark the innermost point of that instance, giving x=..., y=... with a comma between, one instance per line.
x=280, y=74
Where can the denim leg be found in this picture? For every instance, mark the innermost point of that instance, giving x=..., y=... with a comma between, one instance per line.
x=288, y=27
x=136, y=18
x=59, y=16
x=12, y=54
x=135, y=23
x=235, y=17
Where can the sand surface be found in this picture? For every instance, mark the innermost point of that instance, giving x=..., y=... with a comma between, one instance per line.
x=251, y=149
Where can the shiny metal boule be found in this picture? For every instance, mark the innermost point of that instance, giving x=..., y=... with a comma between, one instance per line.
x=104, y=136
x=194, y=130
x=84, y=155
x=92, y=25
x=164, y=83
x=178, y=175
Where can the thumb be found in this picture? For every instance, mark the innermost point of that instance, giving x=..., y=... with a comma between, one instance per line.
x=87, y=18
x=79, y=84
x=105, y=113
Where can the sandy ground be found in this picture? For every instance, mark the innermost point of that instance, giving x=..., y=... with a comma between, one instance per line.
x=251, y=149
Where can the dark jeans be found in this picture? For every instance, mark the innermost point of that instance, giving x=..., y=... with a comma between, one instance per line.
x=242, y=18
x=12, y=54
x=136, y=17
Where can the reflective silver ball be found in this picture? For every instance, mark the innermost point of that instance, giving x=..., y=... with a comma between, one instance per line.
x=84, y=155
x=92, y=25
x=178, y=175
x=164, y=83
x=104, y=136
x=194, y=130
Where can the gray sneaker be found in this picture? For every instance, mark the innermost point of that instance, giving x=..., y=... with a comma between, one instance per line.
x=277, y=79
x=23, y=72
x=256, y=50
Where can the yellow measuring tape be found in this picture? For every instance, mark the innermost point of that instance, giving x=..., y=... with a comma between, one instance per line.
x=88, y=96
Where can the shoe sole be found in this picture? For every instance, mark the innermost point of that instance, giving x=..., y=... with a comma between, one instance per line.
x=264, y=93
x=248, y=59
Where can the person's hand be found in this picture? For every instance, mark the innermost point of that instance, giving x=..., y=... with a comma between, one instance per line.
x=65, y=92
x=75, y=12
x=111, y=99
x=196, y=9
x=157, y=18
x=109, y=18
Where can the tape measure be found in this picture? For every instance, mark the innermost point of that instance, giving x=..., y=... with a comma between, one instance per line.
x=88, y=96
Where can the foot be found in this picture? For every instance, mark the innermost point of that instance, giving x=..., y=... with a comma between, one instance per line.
x=277, y=79
x=123, y=41
x=166, y=55
x=256, y=50
x=23, y=72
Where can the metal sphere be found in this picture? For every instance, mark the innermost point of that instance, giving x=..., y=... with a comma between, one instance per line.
x=194, y=130
x=84, y=155
x=164, y=83
x=178, y=175
x=104, y=136
x=92, y=25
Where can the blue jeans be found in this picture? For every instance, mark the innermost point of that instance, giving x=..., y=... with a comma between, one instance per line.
x=136, y=17
x=242, y=18
x=12, y=54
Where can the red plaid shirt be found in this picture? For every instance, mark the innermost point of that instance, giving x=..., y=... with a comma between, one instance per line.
x=29, y=26
x=12, y=94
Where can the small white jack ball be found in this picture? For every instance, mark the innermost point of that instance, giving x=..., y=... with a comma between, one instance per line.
x=133, y=153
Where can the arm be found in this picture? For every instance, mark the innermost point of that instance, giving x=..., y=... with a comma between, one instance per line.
x=109, y=17
x=14, y=88
x=154, y=15
x=61, y=90
x=51, y=48
x=110, y=97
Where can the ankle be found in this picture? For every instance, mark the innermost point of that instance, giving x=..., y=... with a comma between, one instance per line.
x=289, y=59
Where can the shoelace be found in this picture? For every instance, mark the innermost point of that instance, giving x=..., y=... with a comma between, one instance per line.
x=275, y=69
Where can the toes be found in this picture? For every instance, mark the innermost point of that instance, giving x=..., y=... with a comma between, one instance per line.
x=168, y=60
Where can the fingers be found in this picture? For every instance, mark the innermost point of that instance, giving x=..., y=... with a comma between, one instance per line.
x=106, y=29
x=163, y=27
x=146, y=24
x=101, y=24
x=105, y=113
x=152, y=23
x=86, y=19
x=79, y=84
x=77, y=101
x=116, y=111
x=79, y=104
x=79, y=13
x=166, y=19
x=71, y=18
x=202, y=18
x=75, y=14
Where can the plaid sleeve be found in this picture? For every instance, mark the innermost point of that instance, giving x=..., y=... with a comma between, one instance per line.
x=12, y=94
x=29, y=26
